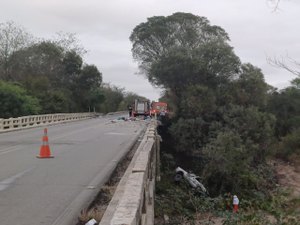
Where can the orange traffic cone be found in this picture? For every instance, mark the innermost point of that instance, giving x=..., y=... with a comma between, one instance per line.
x=45, y=149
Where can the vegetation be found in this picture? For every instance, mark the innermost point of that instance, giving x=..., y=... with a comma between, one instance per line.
x=226, y=117
x=50, y=76
x=14, y=101
x=183, y=206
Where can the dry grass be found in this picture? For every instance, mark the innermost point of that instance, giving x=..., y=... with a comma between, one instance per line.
x=98, y=207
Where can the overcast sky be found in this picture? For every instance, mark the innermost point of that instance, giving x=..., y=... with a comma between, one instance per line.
x=104, y=27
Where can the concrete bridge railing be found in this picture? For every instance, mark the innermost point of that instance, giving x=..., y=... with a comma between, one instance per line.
x=39, y=120
x=133, y=201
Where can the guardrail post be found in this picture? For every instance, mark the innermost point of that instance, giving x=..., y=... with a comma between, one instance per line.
x=1, y=124
x=11, y=123
x=19, y=122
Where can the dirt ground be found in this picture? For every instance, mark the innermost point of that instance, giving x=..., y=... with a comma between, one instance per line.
x=289, y=175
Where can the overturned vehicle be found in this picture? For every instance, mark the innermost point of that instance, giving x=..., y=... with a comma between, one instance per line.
x=192, y=179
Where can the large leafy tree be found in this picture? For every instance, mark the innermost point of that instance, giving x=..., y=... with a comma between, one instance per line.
x=42, y=59
x=219, y=101
x=72, y=65
x=89, y=77
x=210, y=65
x=86, y=88
x=57, y=77
x=160, y=34
x=113, y=96
x=182, y=50
x=40, y=69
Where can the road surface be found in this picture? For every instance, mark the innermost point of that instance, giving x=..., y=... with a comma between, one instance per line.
x=52, y=191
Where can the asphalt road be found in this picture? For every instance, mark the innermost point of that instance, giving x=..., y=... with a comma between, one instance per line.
x=52, y=191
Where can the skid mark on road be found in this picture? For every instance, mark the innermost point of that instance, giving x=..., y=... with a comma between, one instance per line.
x=10, y=149
x=116, y=133
x=4, y=184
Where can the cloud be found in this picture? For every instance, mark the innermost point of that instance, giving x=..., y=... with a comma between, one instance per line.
x=104, y=28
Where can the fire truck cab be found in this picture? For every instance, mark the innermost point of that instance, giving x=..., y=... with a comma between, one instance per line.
x=159, y=108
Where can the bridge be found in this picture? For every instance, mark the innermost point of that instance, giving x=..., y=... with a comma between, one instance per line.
x=86, y=148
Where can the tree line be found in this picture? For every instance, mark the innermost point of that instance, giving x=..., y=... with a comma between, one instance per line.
x=227, y=119
x=39, y=76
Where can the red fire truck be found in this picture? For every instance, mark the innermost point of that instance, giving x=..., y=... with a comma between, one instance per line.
x=141, y=108
x=159, y=108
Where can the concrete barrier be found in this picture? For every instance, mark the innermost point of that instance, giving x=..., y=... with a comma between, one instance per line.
x=133, y=201
x=40, y=120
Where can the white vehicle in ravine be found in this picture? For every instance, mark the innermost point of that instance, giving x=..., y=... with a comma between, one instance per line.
x=192, y=179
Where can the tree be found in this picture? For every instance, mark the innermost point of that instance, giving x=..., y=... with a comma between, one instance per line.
x=255, y=128
x=285, y=105
x=197, y=100
x=296, y=83
x=85, y=88
x=56, y=77
x=55, y=101
x=12, y=38
x=219, y=102
x=250, y=89
x=15, y=102
x=190, y=135
x=69, y=42
x=50, y=70
x=113, y=96
x=129, y=98
x=41, y=59
x=228, y=162
x=95, y=98
x=159, y=35
x=89, y=77
x=211, y=64
x=72, y=64
x=286, y=63
x=290, y=145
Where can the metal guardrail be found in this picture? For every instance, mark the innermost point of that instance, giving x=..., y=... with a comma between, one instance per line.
x=133, y=201
x=39, y=120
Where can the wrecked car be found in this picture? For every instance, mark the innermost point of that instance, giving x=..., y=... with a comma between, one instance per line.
x=192, y=179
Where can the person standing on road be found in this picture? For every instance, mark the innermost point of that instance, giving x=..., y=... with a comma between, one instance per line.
x=235, y=204
x=130, y=110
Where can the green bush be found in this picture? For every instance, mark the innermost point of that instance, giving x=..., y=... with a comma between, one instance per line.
x=290, y=144
x=15, y=102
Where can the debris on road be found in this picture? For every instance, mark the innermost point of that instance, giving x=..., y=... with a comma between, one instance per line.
x=122, y=119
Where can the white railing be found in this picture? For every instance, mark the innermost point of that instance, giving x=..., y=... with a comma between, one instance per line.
x=133, y=201
x=39, y=120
